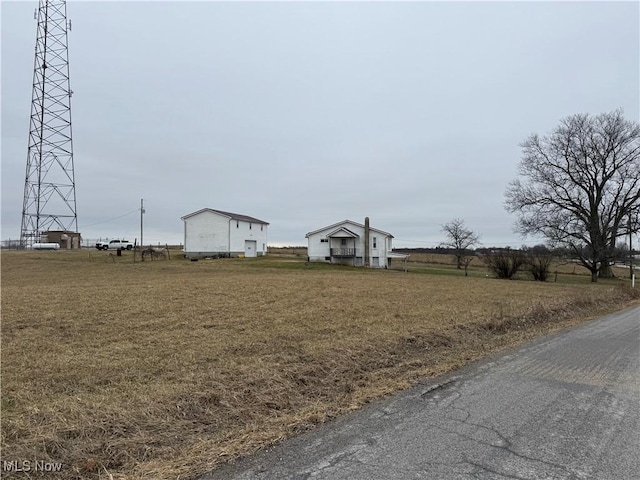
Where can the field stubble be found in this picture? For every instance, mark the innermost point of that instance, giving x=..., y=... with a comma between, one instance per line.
x=165, y=369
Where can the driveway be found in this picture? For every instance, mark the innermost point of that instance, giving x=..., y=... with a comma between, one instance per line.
x=564, y=407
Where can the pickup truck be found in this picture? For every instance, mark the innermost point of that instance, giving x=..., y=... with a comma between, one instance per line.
x=115, y=245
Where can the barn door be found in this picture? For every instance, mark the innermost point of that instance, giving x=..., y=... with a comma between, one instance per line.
x=250, y=248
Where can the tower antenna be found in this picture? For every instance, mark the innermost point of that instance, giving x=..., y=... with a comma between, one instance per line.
x=49, y=189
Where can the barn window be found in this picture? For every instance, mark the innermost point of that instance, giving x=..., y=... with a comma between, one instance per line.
x=375, y=242
x=237, y=224
x=261, y=227
x=249, y=226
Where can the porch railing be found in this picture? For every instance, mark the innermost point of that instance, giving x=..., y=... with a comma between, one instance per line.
x=343, y=252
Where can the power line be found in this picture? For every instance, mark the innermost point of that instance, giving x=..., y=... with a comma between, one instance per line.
x=111, y=219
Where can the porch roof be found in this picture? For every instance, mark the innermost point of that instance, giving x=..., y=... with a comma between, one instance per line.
x=343, y=233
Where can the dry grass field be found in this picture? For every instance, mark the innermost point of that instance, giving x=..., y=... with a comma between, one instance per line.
x=165, y=369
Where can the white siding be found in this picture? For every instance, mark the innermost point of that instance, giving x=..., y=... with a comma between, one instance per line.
x=206, y=232
x=209, y=233
x=318, y=251
x=242, y=231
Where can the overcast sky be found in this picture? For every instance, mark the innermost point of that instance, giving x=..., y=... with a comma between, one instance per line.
x=308, y=113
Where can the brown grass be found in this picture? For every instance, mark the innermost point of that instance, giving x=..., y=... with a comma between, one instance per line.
x=165, y=369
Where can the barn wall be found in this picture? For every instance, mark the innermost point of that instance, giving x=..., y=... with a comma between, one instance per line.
x=206, y=232
x=241, y=231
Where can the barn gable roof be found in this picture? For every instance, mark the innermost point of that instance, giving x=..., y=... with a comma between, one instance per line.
x=233, y=216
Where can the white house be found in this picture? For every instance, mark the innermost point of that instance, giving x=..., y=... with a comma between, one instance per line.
x=214, y=233
x=351, y=243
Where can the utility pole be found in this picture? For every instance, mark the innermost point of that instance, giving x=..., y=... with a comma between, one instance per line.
x=49, y=189
x=141, y=224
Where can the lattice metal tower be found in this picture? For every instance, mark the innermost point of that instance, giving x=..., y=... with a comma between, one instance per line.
x=49, y=188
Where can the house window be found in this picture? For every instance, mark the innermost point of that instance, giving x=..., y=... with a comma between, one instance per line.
x=375, y=242
x=261, y=227
x=324, y=240
x=237, y=224
x=343, y=242
x=249, y=226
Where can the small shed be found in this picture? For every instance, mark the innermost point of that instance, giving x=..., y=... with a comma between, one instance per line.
x=216, y=233
x=66, y=239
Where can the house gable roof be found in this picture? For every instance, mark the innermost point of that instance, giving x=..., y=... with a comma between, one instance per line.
x=342, y=224
x=232, y=216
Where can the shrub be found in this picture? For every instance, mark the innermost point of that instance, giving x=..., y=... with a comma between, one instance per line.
x=505, y=263
x=538, y=265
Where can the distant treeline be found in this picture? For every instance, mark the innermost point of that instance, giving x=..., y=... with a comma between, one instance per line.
x=536, y=249
x=453, y=251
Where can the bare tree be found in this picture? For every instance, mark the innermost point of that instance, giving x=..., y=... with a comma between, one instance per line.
x=579, y=185
x=461, y=240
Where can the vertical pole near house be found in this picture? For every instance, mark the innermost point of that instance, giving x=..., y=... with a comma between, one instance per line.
x=141, y=223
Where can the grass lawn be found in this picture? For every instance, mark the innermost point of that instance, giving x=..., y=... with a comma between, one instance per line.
x=165, y=369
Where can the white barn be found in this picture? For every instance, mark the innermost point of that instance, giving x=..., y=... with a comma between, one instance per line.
x=214, y=233
x=351, y=243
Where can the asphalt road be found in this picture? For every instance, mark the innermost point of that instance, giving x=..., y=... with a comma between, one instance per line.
x=564, y=407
